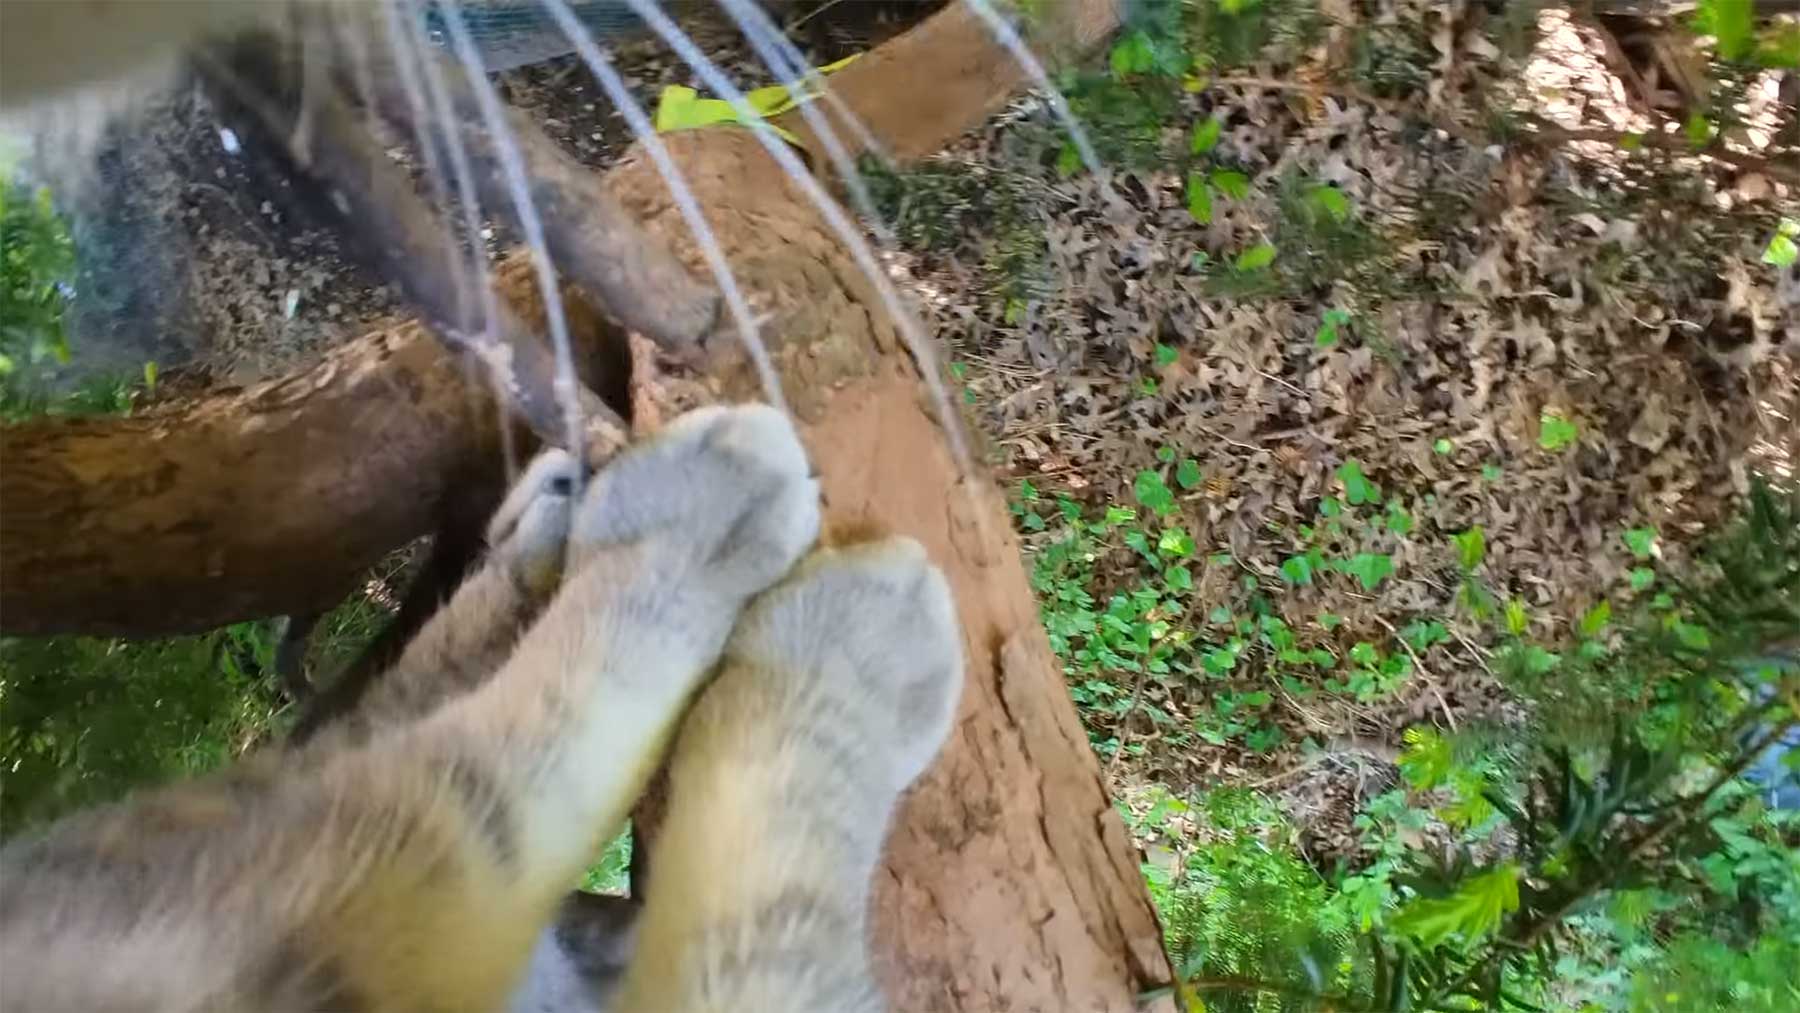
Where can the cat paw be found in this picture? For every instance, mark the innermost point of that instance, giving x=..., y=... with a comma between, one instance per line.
x=721, y=500
x=871, y=629
x=530, y=531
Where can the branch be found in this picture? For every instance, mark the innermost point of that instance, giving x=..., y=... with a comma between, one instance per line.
x=398, y=233
x=590, y=235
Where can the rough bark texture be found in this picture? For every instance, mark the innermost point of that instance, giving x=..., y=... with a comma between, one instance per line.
x=270, y=500
x=946, y=76
x=1010, y=883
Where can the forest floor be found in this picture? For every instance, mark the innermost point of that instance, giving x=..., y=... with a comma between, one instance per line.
x=1552, y=347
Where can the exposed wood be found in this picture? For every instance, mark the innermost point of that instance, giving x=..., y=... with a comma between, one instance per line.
x=919, y=92
x=267, y=500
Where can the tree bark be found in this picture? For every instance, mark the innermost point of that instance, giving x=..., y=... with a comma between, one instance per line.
x=1009, y=882
x=267, y=500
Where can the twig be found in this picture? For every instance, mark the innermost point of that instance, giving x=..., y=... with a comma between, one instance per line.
x=406, y=243
x=1419, y=663
x=1137, y=692
x=595, y=242
x=1474, y=652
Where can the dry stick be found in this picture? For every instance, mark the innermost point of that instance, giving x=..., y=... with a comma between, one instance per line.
x=1137, y=692
x=405, y=240
x=1419, y=664
x=594, y=241
x=1544, y=134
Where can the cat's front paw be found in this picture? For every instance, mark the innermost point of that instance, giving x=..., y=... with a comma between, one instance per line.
x=722, y=500
x=529, y=533
x=871, y=631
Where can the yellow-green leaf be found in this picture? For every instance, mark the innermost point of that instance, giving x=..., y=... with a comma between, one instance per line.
x=1255, y=258
x=1206, y=135
x=1472, y=912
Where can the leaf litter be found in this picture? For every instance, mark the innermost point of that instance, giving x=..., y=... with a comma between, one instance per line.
x=1546, y=349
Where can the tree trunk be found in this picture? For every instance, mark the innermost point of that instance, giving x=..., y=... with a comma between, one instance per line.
x=1009, y=883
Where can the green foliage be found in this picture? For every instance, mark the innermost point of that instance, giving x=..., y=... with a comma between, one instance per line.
x=1239, y=900
x=611, y=872
x=936, y=204
x=1731, y=22
x=82, y=719
x=37, y=261
x=85, y=719
x=1471, y=913
x=1471, y=547
x=37, y=266
x=1358, y=490
x=1556, y=432
x=1543, y=867
x=1330, y=328
x=1781, y=251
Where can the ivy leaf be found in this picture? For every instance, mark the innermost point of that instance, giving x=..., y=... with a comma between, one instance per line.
x=1371, y=568
x=1297, y=570
x=1331, y=200
x=1233, y=184
x=1187, y=473
x=1178, y=578
x=1134, y=54
x=1595, y=619
x=1206, y=135
x=1165, y=454
x=1329, y=328
x=1421, y=635
x=1364, y=653
x=1199, y=198
x=1442, y=447
x=1641, y=541
x=1555, y=432
x=1472, y=912
x=1781, y=251
x=1398, y=520
x=1175, y=542
x=1471, y=547
x=1732, y=22
x=1255, y=258
x=1165, y=354
x=1427, y=760
x=1357, y=487
x=1640, y=578
x=1152, y=494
